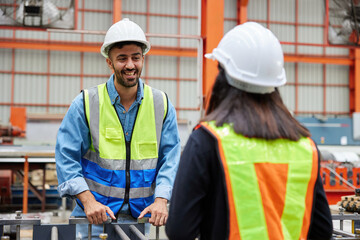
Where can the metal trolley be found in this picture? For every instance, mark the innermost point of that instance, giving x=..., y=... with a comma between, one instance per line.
x=112, y=230
x=340, y=234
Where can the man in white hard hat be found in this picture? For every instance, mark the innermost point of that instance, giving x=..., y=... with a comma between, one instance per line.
x=118, y=146
x=249, y=170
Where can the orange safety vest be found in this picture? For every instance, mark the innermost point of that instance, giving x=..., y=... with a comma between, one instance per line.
x=270, y=184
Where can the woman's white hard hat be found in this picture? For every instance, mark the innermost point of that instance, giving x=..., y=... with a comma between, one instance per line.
x=252, y=58
x=124, y=31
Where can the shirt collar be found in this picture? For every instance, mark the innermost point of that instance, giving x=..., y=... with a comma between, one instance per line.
x=113, y=94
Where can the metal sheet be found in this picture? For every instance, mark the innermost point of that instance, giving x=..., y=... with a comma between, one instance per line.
x=30, y=151
x=20, y=221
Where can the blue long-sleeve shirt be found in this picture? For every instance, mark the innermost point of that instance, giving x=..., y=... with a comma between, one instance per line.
x=73, y=141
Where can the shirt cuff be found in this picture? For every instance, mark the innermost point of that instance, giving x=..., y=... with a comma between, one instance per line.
x=72, y=187
x=163, y=192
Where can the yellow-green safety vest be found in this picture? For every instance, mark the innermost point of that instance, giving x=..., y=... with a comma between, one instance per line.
x=115, y=170
x=270, y=184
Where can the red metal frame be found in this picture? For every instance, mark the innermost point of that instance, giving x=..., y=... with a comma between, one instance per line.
x=212, y=30
x=242, y=11
x=210, y=34
x=178, y=60
x=336, y=188
x=350, y=60
x=117, y=8
x=355, y=84
x=76, y=9
x=296, y=110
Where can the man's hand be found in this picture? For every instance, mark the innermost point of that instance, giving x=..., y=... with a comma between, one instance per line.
x=95, y=211
x=158, y=210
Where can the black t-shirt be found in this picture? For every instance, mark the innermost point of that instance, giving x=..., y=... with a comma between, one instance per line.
x=198, y=206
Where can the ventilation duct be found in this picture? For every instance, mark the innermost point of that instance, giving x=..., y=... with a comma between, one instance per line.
x=38, y=13
x=344, y=20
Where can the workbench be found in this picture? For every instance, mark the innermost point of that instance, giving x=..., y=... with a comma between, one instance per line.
x=26, y=158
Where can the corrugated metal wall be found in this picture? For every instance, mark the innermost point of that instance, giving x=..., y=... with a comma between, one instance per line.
x=177, y=76
x=47, y=81
x=312, y=89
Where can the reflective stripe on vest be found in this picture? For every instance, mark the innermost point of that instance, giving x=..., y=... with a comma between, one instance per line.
x=270, y=184
x=104, y=164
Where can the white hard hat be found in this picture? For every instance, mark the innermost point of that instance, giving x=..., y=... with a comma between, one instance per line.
x=252, y=58
x=123, y=31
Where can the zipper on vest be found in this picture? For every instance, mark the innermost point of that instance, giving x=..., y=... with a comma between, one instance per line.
x=127, y=167
x=127, y=172
x=128, y=159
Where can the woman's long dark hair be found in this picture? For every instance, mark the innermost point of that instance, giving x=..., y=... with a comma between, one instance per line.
x=252, y=115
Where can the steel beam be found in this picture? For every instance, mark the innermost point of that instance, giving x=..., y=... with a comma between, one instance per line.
x=160, y=51
x=117, y=9
x=212, y=30
x=355, y=97
x=318, y=59
x=88, y=47
x=242, y=11
x=50, y=45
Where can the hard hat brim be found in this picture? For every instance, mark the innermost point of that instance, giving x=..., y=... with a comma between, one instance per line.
x=105, y=47
x=259, y=86
x=209, y=56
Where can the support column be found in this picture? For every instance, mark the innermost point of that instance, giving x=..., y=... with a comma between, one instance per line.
x=76, y=10
x=242, y=11
x=354, y=84
x=117, y=9
x=212, y=30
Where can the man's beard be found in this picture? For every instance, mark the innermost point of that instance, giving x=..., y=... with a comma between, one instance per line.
x=123, y=82
x=120, y=80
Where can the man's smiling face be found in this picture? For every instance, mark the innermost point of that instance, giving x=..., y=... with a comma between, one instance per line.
x=127, y=63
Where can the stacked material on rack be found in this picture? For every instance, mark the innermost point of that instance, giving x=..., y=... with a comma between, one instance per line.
x=351, y=203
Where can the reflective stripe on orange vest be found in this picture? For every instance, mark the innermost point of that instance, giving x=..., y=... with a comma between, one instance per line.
x=270, y=184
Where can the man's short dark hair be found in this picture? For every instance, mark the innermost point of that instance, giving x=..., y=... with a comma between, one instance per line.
x=122, y=44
